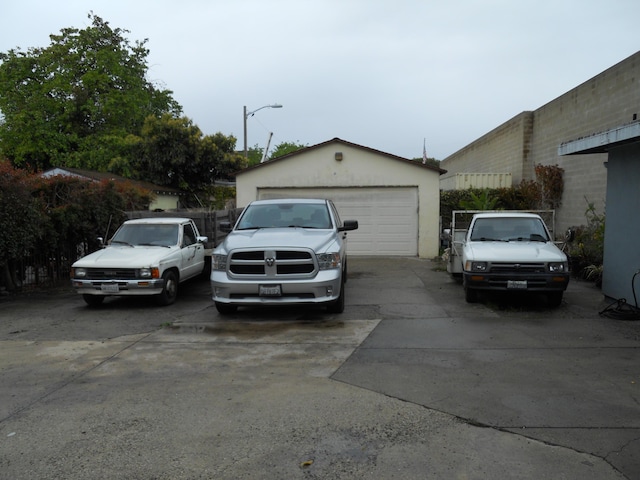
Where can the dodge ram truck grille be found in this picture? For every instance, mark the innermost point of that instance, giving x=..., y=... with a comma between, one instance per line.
x=110, y=273
x=272, y=263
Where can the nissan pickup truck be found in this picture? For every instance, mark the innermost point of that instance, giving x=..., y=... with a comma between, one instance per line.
x=146, y=256
x=286, y=251
x=512, y=252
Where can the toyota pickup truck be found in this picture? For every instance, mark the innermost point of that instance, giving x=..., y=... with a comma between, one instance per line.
x=287, y=251
x=146, y=256
x=508, y=251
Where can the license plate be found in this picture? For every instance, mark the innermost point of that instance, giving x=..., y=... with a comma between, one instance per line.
x=109, y=287
x=270, y=291
x=517, y=284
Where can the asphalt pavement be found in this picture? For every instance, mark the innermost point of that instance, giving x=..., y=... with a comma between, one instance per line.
x=409, y=382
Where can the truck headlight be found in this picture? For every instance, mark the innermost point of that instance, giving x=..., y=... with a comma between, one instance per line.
x=476, y=266
x=149, y=272
x=327, y=261
x=558, y=267
x=218, y=262
x=79, y=273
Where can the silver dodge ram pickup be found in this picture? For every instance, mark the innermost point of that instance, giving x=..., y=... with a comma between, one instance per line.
x=286, y=251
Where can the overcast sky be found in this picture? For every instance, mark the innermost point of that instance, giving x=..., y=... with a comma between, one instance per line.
x=386, y=74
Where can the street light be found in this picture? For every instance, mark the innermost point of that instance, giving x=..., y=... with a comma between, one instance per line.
x=250, y=114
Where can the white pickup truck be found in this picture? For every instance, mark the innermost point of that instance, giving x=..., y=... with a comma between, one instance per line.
x=507, y=251
x=146, y=256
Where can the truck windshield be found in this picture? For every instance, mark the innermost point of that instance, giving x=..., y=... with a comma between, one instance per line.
x=147, y=234
x=304, y=215
x=508, y=229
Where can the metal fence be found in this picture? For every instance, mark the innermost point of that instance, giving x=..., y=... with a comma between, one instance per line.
x=40, y=269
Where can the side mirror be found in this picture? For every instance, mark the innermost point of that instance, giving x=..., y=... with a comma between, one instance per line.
x=348, y=225
x=100, y=242
x=225, y=227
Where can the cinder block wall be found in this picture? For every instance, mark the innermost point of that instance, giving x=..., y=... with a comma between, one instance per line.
x=495, y=151
x=608, y=100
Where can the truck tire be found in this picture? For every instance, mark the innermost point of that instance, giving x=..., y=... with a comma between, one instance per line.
x=170, y=289
x=554, y=299
x=206, y=270
x=337, y=306
x=225, y=308
x=93, y=300
x=470, y=295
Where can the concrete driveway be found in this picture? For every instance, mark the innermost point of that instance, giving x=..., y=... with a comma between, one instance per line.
x=410, y=382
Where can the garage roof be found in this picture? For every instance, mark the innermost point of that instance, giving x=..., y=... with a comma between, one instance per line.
x=602, y=142
x=342, y=142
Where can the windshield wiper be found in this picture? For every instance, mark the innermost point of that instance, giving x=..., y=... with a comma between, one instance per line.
x=256, y=228
x=534, y=237
x=122, y=242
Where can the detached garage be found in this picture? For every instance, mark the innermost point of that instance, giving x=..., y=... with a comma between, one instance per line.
x=395, y=200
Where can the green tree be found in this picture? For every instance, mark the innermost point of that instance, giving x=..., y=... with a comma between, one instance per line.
x=74, y=102
x=254, y=155
x=174, y=152
x=285, y=148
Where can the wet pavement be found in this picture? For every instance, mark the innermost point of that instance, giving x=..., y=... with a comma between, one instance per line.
x=409, y=382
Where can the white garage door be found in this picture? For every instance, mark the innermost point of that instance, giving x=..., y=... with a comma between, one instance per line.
x=387, y=217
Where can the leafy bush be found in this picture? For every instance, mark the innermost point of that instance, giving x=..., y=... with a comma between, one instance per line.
x=57, y=214
x=587, y=249
x=526, y=196
x=21, y=219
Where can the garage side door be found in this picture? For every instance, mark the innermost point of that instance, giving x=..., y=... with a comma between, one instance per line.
x=387, y=217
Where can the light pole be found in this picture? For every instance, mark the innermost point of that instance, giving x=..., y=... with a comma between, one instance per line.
x=250, y=114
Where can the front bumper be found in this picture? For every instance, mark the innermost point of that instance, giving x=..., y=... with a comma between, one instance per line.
x=118, y=287
x=516, y=282
x=323, y=288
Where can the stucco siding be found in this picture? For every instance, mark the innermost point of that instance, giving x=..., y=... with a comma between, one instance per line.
x=317, y=167
x=621, y=253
